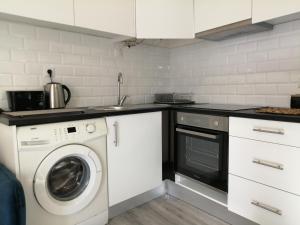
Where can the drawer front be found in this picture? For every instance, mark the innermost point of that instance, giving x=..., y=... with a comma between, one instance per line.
x=265, y=130
x=262, y=204
x=271, y=164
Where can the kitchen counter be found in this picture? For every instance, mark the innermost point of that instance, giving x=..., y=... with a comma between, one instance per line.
x=96, y=112
x=84, y=113
x=248, y=113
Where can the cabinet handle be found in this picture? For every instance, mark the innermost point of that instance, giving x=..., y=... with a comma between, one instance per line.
x=116, y=128
x=269, y=130
x=267, y=207
x=268, y=164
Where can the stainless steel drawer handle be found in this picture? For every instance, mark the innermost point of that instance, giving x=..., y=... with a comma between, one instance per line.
x=268, y=164
x=199, y=134
x=267, y=207
x=116, y=128
x=269, y=130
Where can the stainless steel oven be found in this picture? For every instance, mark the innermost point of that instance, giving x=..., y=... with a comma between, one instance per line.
x=201, y=148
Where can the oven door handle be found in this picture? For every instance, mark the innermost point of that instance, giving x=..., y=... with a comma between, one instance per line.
x=199, y=134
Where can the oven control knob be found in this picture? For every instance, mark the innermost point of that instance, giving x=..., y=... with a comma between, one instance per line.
x=216, y=123
x=90, y=128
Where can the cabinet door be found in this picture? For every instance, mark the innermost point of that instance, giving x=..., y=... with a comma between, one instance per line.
x=264, y=10
x=57, y=11
x=134, y=152
x=113, y=16
x=164, y=19
x=210, y=14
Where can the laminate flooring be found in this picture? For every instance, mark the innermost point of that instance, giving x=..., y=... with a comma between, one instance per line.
x=166, y=210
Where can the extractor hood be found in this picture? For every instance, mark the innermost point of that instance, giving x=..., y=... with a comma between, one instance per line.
x=233, y=30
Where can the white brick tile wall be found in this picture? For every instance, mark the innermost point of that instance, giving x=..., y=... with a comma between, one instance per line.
x=88, y=65
x=259, y=69
x=268, y=75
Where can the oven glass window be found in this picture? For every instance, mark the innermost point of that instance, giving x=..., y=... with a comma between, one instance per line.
x=202, y=154
x=68, y=178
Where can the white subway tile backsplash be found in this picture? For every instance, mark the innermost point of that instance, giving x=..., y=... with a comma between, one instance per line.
x=69, y=59
x=5, y=80
x=7, y=41
x=4, y=54
x=4, y=27
x=11, y=67
x=24, y=56
x=270, y=74
x=26, y=81
x=259, y=69
x=48, y=34
x=278, y=77
x=22, y=30
x=37, y=45
x=60, y=47
x=33, y=68
x=45, y=57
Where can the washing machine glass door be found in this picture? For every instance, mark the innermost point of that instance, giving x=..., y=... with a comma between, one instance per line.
x=68, y=179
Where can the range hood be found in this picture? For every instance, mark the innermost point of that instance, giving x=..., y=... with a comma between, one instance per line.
x=233, y=30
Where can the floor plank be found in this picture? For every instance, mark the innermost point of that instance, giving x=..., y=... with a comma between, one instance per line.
x=166, y=210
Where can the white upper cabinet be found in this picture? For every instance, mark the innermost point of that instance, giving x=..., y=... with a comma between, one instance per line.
x=210, y=14
x=164, y=19
x=264, y=10
x=56, y=11
x=112, y=16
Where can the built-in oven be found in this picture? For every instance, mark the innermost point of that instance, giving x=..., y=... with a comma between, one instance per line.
x=201, y=148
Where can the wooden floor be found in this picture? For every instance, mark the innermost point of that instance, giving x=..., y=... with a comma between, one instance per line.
x=166, y=211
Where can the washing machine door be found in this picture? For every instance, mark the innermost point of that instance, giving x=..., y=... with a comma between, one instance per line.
x=68, y=179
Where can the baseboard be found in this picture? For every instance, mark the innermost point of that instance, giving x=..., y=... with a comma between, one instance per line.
x=137, y=201
x=211, y=207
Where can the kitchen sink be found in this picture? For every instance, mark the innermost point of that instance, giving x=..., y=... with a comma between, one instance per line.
x=124, y=107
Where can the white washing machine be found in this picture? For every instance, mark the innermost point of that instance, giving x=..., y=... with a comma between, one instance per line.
x=64, y=173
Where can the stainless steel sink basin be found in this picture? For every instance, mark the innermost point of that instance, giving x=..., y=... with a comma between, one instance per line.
x=114, y=107
x=125, y=107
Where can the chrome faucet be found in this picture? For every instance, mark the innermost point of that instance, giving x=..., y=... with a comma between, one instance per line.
x=122, y=99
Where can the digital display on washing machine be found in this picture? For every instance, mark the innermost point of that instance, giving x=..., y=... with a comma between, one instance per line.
x=71, y=129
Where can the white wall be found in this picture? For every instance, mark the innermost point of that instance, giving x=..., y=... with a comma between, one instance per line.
x=259, y=69
x=87, y=64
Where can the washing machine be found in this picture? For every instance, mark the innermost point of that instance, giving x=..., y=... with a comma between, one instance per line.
x=63, y=171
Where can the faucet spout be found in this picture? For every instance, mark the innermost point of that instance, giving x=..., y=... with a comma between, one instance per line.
x=122, y=99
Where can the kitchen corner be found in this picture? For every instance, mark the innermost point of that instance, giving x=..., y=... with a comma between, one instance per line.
x=150, y=112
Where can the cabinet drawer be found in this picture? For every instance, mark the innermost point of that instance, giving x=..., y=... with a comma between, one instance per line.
x=271, y=164
x=265, y=130
x=262, y=204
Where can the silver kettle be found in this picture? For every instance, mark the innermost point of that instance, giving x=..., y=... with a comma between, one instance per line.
x=55, y=93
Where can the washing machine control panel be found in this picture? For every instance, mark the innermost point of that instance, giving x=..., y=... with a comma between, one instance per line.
x=75, y=131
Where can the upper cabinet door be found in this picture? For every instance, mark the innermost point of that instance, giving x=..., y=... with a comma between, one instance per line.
x=164, y=19
x=210, y=14
x=112, y=16
x=57, y=11
x=264, y=10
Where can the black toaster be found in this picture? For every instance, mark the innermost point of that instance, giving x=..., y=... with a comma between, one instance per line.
x=295, y=101
x=26, y=100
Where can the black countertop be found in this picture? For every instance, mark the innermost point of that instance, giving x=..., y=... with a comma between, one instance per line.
x=85, y=113
x=90, y=113
x=248, y=113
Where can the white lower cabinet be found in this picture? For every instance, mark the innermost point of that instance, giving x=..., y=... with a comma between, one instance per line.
x=262, y=204
x=134, y=152
x=271, y=164
x=263, y=171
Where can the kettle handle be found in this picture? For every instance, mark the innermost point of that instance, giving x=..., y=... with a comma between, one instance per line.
x=69, y=93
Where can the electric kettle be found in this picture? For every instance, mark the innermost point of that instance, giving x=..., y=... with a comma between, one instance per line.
x=55, y=94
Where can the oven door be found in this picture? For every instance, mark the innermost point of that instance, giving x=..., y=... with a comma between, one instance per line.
x=202, y=154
